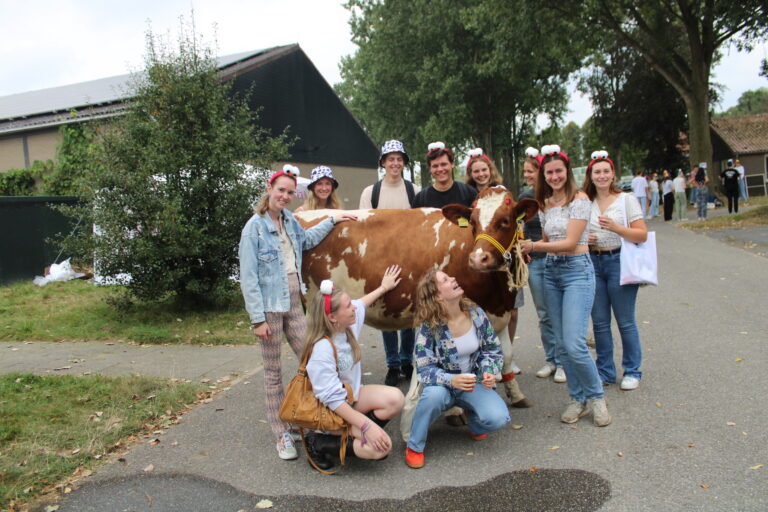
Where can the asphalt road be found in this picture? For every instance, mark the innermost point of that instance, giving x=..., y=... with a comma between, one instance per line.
x=687, y=439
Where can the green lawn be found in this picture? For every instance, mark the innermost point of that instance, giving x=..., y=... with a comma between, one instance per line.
x=76, y=310
x=757, y=216
x=55, y=429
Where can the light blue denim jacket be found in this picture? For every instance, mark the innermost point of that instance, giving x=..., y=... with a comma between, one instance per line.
x=263, y=278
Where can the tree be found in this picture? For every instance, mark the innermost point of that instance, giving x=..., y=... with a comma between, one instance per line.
x=680, y=39
x=168, y=189
x=74, y=154
x=470, y=73
x=750, y=102
x=636, y=112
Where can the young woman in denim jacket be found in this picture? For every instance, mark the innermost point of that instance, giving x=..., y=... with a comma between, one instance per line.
x=458, y=360
x=606, y=229
x=271, y=247
x=569, y=281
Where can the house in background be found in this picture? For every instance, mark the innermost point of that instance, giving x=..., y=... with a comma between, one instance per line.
x=745, y=138
x=281, y=82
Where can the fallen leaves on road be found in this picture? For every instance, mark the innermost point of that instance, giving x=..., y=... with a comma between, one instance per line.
x=730, y=424
x=149, y=468
x=470, y=454
x=738, y=359
x=533, y=469
x=554, y=447
x=756, y=466
x=691, y=445
x=149, y=499
x=264, y=504
x=704, y=486
x=620, y=454
x=516, y=427
x=658, y=404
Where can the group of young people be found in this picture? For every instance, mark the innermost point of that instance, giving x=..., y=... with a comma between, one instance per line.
x=573, y=249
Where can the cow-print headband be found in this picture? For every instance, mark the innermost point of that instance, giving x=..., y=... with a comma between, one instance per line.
x=326, y=288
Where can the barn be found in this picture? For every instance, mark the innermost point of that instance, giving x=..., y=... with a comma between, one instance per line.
x=745, y=138
x=283, y=83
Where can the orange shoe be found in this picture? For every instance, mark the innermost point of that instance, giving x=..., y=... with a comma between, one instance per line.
x=414, y=459
x=478, y=437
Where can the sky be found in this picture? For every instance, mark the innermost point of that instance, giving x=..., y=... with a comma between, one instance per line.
x=47, y=43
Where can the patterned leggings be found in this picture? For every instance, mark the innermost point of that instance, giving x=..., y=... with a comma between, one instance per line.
x=294, y=326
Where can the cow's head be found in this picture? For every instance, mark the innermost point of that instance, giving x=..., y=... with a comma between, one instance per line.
x=495, y=216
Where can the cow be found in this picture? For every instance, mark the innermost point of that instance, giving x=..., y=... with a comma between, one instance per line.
x=355, y=254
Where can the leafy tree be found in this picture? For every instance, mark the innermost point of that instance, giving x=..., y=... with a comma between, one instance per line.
x=680, y=39
x=636, y=112
x=76, y=151
x=470, y=73
x=167, y=189
x=750, y=102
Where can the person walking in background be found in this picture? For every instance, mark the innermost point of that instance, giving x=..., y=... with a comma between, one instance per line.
x=730, y=178
x=271, y=247
x=640, y=189
x=692, y=184
x=653, y=186
x=570, y=281
x=393, y=192
x=668, y=194
x=678, y=185
x=615, y=215
x=742, y=181
x=532, y=231
x=321, y=191
x=700, y=181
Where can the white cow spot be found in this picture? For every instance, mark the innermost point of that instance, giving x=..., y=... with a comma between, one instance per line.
x=478, y=252
x=328, y=258
x=361, y=248
x=488, y=206
x=427, y=211
x=344, y=232
x=452, y=244
x=348, y=250
x=445, y=262
x=436, y=229
x=310, y=215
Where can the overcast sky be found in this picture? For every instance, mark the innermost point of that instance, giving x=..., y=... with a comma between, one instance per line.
x=47, y=43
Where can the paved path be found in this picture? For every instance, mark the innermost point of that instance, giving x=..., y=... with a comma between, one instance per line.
x=685, y=440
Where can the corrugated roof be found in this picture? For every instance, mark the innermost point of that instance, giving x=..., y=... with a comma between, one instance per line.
x=743, y=134
x=92, y=93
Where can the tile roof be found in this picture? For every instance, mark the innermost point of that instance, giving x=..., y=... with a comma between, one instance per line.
x=743, y=134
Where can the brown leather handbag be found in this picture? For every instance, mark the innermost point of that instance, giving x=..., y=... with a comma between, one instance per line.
x=301, y=407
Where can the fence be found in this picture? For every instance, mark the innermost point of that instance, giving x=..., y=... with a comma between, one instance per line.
x=26, y=224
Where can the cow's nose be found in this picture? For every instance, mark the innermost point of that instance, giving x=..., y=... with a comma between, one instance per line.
x=479, y=260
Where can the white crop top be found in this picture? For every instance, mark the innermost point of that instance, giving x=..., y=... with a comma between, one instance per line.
x=554, y=220
x=607, y=238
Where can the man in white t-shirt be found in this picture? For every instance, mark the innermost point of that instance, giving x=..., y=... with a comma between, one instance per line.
x=393, y=192
x=742, y=180
x=640, y=188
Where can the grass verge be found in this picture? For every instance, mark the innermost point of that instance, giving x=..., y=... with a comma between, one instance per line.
x=58, y=428
x=76, y=310
x=757, y=215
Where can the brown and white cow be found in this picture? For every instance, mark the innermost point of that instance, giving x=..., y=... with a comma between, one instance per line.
x=355, y=254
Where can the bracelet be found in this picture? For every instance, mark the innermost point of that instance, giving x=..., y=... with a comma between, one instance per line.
x=363, y=430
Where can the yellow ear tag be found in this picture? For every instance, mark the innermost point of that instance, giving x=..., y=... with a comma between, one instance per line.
x=463, y=222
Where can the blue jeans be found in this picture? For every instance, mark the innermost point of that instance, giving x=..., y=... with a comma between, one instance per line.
x=486, y=411
x=701, y=203
x=536, y=284
x=743, y=188
x=609, y=294
x=397, y=358
x=694, y=193
x=643, y=205
x=654, y=204
x=570, y=292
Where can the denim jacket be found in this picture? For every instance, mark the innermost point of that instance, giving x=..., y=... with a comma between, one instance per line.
x=437, y=359
x=263, y=278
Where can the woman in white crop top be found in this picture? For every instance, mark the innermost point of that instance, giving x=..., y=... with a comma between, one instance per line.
x=615, y=215
x=569, y=281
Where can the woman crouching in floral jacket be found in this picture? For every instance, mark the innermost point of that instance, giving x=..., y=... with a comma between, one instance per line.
x=458, y=359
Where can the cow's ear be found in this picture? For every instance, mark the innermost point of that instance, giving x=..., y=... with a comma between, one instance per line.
x=528, y=206
x=454, y=212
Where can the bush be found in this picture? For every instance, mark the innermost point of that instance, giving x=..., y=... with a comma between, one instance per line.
x=24, y=182
x=166, y=184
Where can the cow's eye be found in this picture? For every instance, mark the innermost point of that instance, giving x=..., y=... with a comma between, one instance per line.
x=504, y=223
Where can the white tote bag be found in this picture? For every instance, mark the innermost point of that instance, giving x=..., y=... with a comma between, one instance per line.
x=638, y=261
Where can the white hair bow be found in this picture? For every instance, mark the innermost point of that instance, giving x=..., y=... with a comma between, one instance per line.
x=326, y=287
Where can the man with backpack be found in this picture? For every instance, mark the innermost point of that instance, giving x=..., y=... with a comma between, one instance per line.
x=393, y=192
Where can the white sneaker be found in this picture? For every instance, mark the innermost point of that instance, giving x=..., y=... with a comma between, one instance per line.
x=560, y=375
x=573, y=412
x=286, y=450
x=599, y=409
x=546, y=370
x=628, y=383
x=514, y=368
